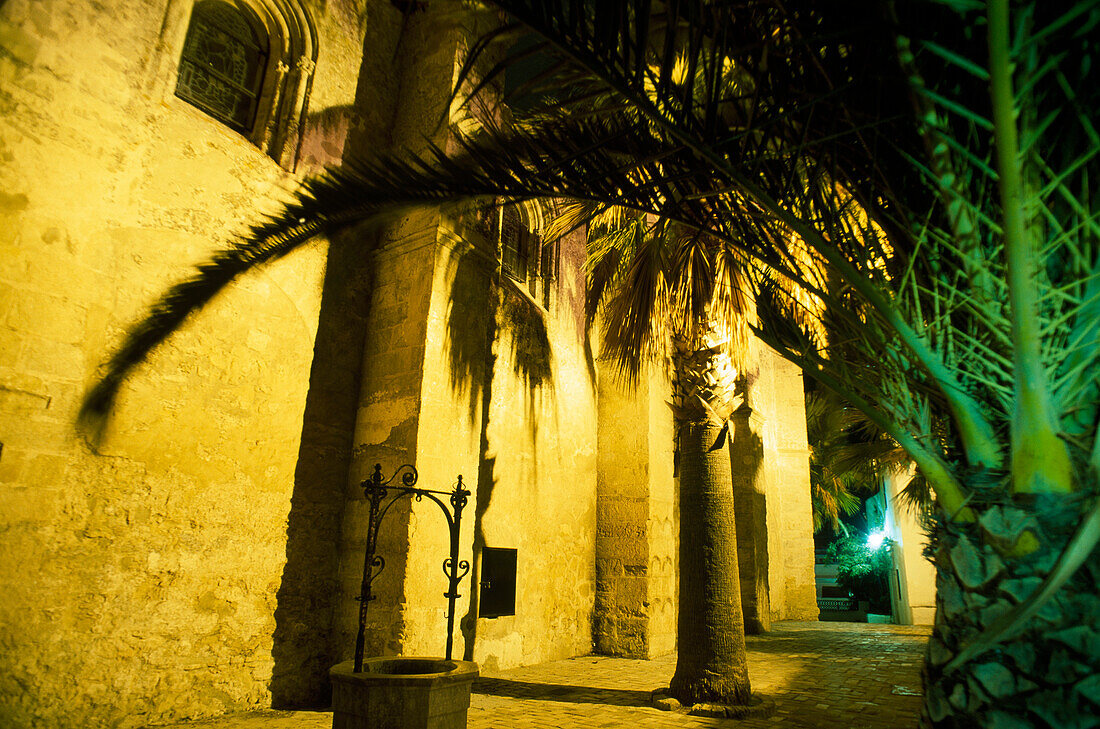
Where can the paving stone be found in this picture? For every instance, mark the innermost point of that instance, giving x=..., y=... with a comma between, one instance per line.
x=821, y=676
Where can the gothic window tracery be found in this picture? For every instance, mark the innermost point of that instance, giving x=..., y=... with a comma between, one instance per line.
x=249, y=64
x=224, y=58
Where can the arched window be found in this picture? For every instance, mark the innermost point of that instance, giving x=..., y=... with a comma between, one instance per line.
x=524, y=256
x=223, y=62
x=249, y=64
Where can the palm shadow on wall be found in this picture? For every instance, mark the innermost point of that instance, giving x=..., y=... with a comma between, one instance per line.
x=302, y=646
x=306, y=598
x=484, y=305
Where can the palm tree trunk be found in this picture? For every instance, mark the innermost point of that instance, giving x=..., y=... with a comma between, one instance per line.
x=710, y=663
x=1048, y=674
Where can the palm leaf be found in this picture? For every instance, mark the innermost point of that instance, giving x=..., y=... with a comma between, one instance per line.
x=744, y=126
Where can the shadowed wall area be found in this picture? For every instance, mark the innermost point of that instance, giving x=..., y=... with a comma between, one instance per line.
x=507, y=357
x=479, y=309
x=471, y=350
x=750, y=490
x=303, y=643
x=303, y=615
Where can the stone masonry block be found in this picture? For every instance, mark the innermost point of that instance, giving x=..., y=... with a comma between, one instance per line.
x=53, y=358
x=22, y=505
x=607, y=568
x=630, y=550
x=49, y=317
x=630, y=592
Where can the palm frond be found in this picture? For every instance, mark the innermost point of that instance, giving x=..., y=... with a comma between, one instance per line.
x=519, y=166
x=636, y=320
x=754, y=126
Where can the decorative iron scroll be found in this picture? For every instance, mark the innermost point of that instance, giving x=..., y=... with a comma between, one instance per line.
x=376, y=489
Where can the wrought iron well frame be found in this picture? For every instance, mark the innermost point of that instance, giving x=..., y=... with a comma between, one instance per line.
x=376, y=489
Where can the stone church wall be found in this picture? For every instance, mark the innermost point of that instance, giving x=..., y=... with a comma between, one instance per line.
x=542, y=444
x=785, y=476
x=471, y=378
x=637, y=524
x=464, y=375
x=140, y=576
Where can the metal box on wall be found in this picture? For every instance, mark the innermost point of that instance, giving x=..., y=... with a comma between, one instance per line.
x=498, y=582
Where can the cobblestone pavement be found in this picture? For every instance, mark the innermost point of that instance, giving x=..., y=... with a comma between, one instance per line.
x=821, y=676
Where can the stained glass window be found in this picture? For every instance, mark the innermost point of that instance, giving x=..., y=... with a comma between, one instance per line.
x=222, y=67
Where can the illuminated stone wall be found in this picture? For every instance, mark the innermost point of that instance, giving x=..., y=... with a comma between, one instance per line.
x=913, y=578
x=399, y=348
x=637, y=526
x=783, y=477
x=140, y=578
x=466, y=377
x=538, y=488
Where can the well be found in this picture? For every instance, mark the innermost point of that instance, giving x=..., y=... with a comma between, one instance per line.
x=392, y=692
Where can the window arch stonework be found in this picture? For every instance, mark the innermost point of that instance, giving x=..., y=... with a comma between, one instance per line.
x=271, y=112
x=224, y=62
x=524, y=256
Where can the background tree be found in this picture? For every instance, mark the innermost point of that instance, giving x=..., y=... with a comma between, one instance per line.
x=847, y=463
x=939, y=168
x=863, y=571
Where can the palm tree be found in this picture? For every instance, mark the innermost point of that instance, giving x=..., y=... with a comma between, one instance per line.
x=842, y=469
x=996, y=301
x=939, y=167
x=664, y=292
